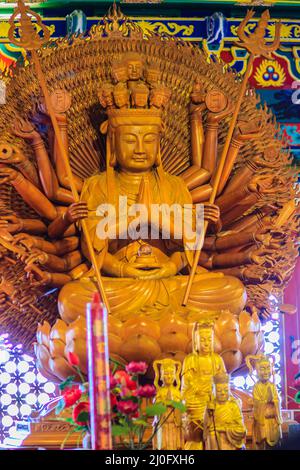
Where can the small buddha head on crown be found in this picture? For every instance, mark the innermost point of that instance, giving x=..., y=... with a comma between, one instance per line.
x=134, y=126
x=134, y=65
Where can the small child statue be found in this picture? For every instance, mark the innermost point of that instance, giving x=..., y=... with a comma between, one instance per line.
x=224, y=427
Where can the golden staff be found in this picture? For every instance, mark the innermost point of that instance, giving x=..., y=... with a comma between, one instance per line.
x=255, y=44
x=30, y=40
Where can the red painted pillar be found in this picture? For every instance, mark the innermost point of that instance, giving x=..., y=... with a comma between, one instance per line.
x=292, y=340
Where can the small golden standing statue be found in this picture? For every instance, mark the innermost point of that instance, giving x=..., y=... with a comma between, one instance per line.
x=167, y=384
x=224, y=427
x=266, y=405
x=199, y=368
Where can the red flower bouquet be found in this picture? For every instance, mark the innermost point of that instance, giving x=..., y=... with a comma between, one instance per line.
x=131, y=405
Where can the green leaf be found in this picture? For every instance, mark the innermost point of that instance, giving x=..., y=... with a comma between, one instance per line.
x=66, y=438
x=117, y=430
x=67, y=383
x=69, y=420
x=122, y=421
x=83, y=417
x=297, y=397
x=178, y=405
x=140, y=422
x=80, y=428
x=131, y=398
x=156, y=410
x=60, y=406
x=117, y=363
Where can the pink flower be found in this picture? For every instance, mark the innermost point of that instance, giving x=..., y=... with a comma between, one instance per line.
x=73, y=359
x=126, y=392
x=146, y=391
x=71, y=395
x=127, y=407
x=112, y=382
x=123, y=379
x=136, y=368
x=113, y=400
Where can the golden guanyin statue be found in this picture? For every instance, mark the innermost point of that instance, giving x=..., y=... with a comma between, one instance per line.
x=198, y=371
x=134, y=170
x=224, y=427
x=142, y=118
x=167, y=383
x=267, y=418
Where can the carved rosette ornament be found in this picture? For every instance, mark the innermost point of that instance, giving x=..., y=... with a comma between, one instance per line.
x=165, y=85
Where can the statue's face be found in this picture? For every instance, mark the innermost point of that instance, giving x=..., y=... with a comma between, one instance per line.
x=168, y=377
x=222, y=392
x=134, y=69
x=206, y=341
x=157, y=100
x=121, y=98
x=137, y=147
x=120, y=73
x=264, y=371
x=108, y=97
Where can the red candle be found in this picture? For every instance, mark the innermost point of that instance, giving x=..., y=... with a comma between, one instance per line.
x=98, y=373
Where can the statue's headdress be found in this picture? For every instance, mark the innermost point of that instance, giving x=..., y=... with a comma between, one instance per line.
x=167, y=365
x=130, y=103
x=197, y=328
x=221, y=379
x=252, y=361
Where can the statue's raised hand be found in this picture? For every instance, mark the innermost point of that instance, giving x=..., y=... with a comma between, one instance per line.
x=277, y=277
x=18, y=298
x=255, y=274
x=3, y=299
x=36, y=257
x=27, y=241
x=262, y=257
x=211, y=213
x=37, y=277
x=76, y=211
x=272, y=240
x=3, y=225
x=24, y=129
x=264, y=184
x=225, y=110
x=261, y=162
x=247, y=130
x=5, y=234
x=11, y=223
x=8, y=175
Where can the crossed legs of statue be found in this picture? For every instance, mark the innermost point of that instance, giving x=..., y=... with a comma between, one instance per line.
x=212, y=291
